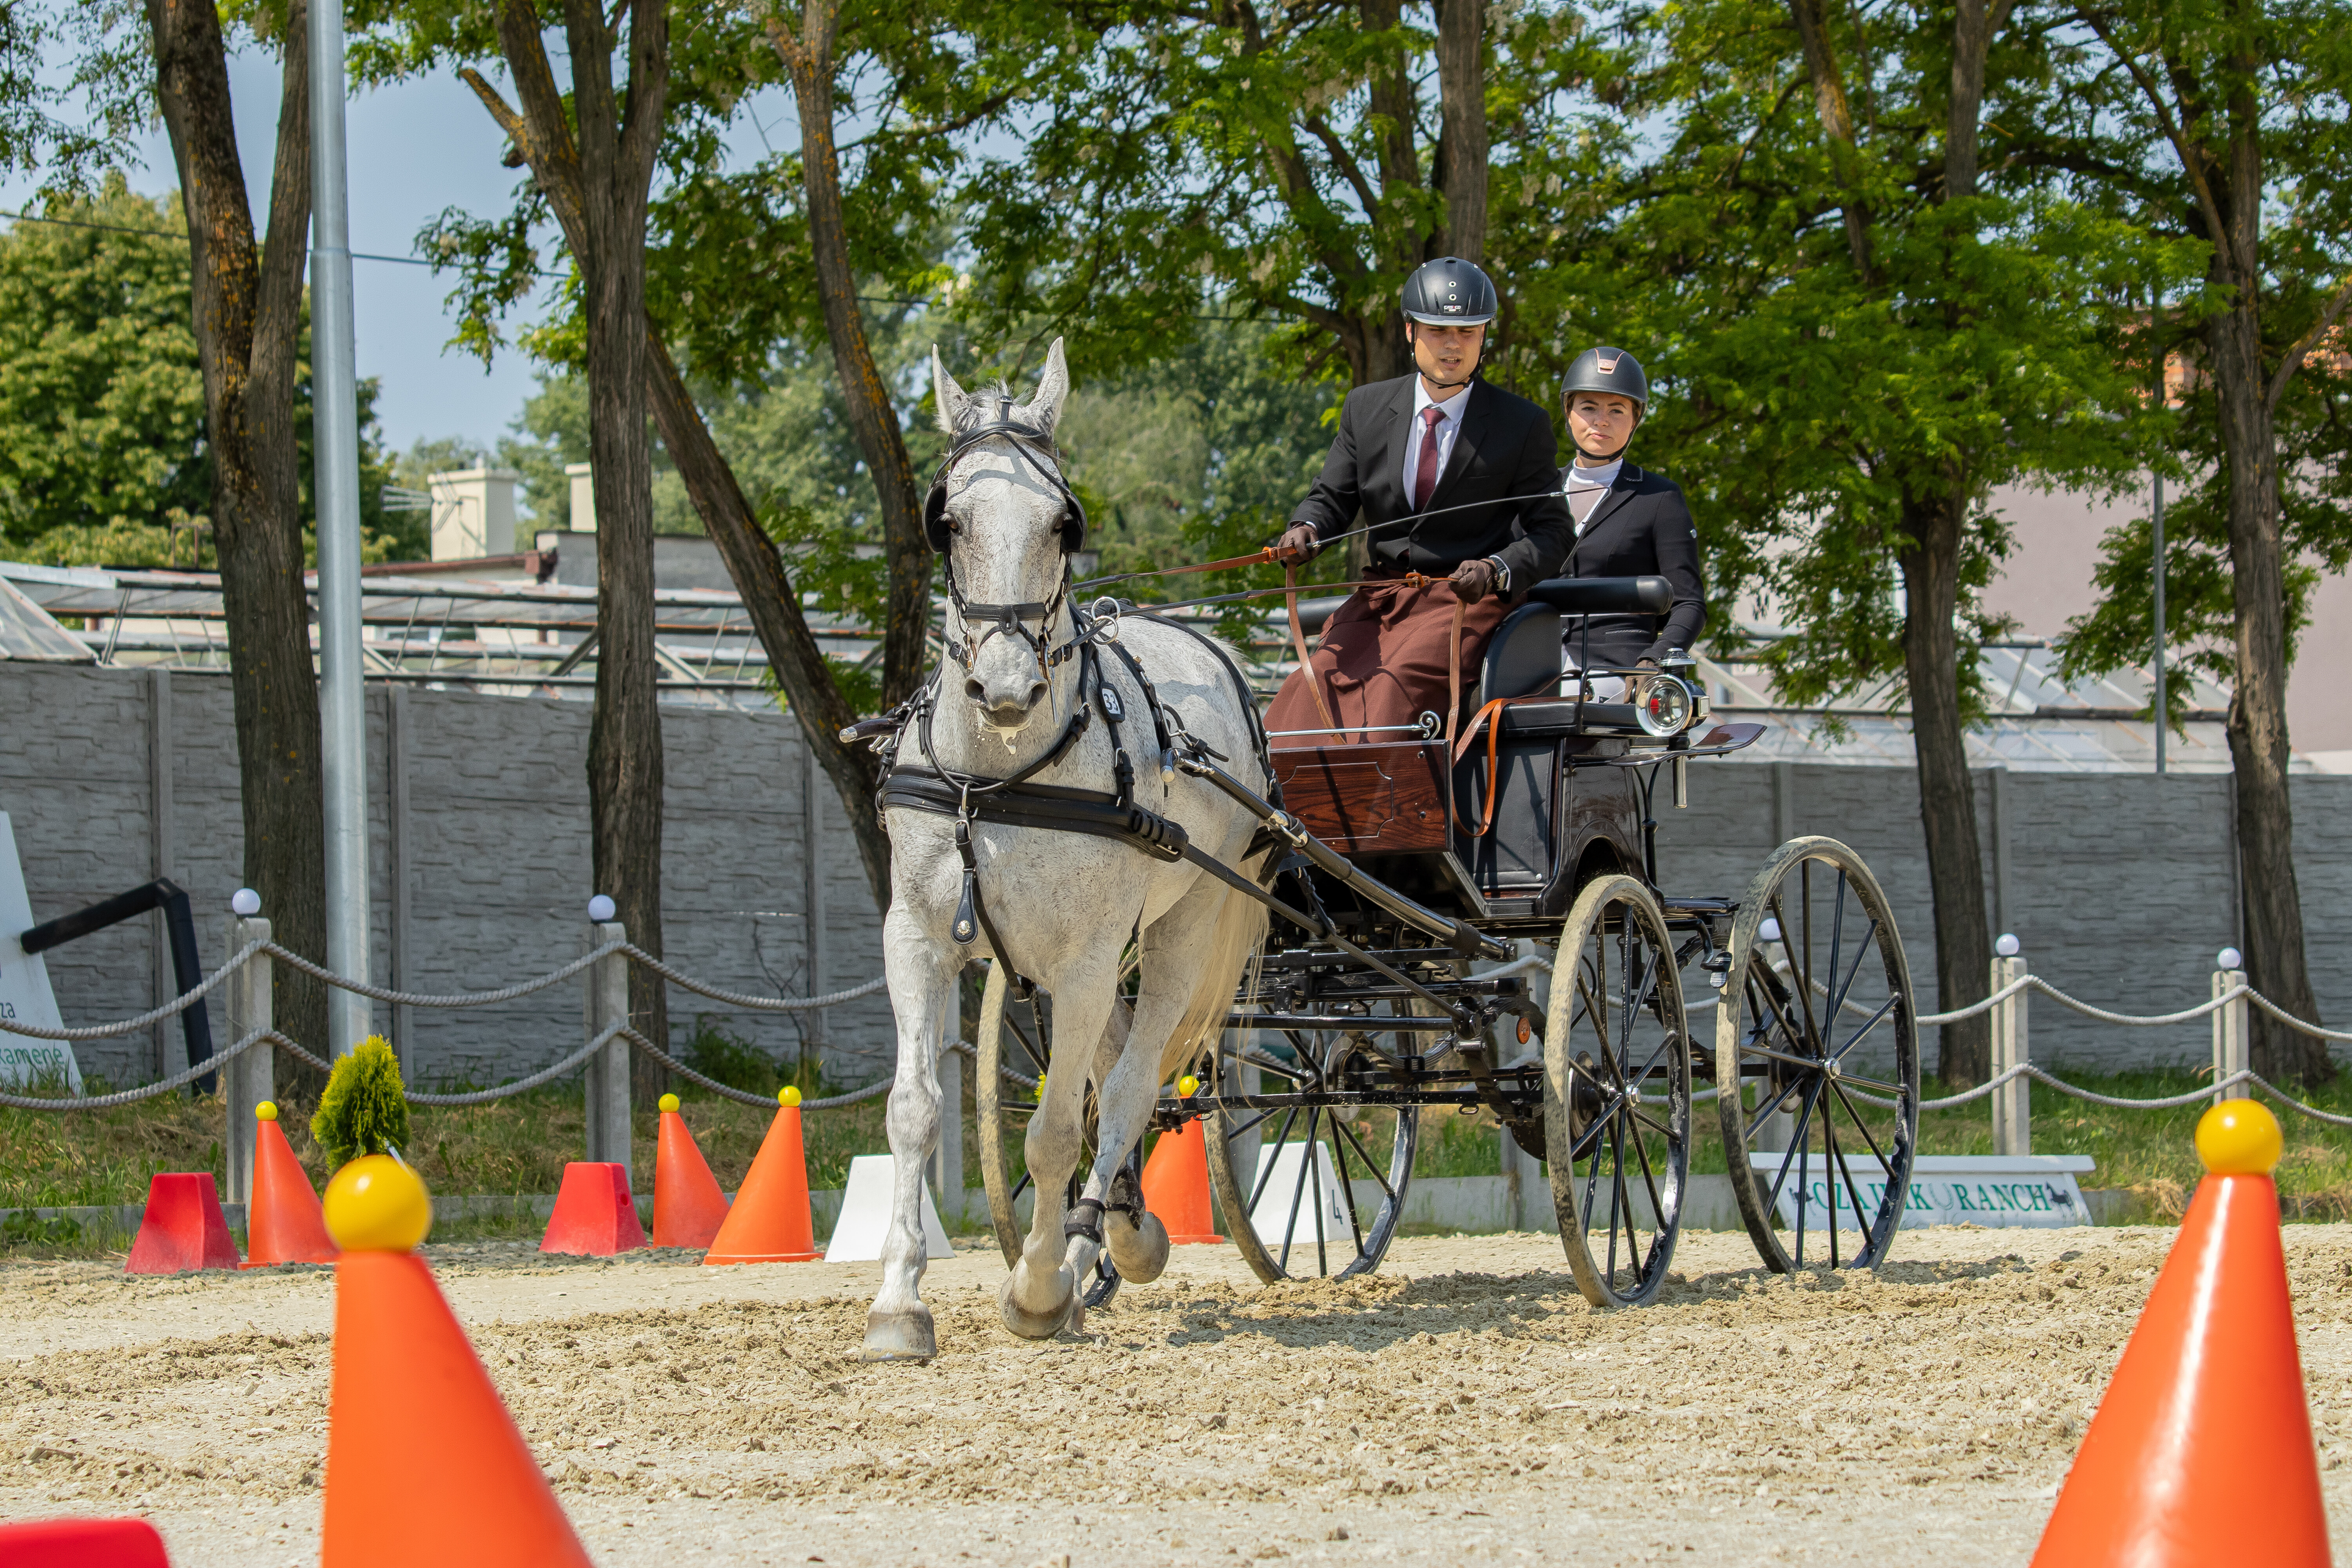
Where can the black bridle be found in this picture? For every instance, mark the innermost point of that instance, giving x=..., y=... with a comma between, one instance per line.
x=1033, y=445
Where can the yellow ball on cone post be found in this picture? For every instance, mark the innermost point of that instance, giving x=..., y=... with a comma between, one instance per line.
x=423, y=1463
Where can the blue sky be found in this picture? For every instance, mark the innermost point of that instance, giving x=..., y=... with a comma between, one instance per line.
x=415, y=148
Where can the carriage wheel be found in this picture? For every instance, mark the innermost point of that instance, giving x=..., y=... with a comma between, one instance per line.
x=1002, y=1108
x=1319, y=1224
x=1617, y=1093
x=1817, y=1061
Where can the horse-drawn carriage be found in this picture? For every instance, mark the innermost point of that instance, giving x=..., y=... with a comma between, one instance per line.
x=1500, y=938
x=1347, y=935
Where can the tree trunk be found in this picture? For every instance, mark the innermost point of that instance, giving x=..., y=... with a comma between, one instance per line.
x=774, y=607
x=1930, y=558
x=247, y=318
x=873, y=418
x=597, y=185
x=618, y=154
x=1462, y=118
x=2273, y=903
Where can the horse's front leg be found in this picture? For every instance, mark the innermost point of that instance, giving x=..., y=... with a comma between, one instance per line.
x=1039, y=1298
x=922, y=994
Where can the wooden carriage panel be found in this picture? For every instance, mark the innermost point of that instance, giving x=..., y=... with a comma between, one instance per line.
x=1379, y=798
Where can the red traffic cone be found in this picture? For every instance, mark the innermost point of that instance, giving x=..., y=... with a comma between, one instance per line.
x=82, y=1544
x=689, y=1208
x=182, y=1228
x=284, y=1223
x=2201, y=1450
x=423, y=1463
x=595, y=1213
x=771, y=1221
x=1176, y=1181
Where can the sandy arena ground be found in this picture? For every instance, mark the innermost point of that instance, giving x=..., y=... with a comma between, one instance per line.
x=1463, y=1404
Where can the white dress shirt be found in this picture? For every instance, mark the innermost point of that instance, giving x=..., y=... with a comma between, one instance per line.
x=1587, y=486
x=1447, y=428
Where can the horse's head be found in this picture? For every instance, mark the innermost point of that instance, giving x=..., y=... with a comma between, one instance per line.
x=1001, y=516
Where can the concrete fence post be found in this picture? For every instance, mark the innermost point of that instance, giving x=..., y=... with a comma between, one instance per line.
x=607, y=1080
x=2231, y=1035
x=946, y=1156
x=252, y=1076
x=2013, y=1103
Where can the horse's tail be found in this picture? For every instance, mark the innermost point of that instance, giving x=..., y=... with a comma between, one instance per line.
x=1235, y=941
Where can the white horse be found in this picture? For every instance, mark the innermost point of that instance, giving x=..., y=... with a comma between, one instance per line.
x=1063, y=903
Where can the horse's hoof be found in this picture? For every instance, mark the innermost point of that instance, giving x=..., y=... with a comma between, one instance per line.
x=1139, y=1252
x=1043, y=1325
x=900, y=1336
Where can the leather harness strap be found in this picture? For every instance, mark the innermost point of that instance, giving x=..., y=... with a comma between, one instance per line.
x=1306, y=671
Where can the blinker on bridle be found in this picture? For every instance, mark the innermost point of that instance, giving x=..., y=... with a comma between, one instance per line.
x=1007, y=620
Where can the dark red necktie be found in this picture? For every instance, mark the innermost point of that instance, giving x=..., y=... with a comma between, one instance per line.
x=1424, y=474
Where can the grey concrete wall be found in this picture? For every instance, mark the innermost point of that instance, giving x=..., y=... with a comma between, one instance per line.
x=492, y=858
x=2121, y=887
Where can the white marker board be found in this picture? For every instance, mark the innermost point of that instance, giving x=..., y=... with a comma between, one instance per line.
x=25, y=995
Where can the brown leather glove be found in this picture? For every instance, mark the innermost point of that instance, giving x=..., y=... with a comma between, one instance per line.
x=1474, y=580
x=1298, y=544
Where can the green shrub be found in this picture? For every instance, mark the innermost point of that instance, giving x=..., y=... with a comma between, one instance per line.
x=363, y=1111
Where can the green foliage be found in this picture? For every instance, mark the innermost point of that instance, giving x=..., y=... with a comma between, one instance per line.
x=362, y=1110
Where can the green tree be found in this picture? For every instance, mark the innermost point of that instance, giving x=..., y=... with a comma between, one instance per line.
x=2226, y=125
x=102, y=403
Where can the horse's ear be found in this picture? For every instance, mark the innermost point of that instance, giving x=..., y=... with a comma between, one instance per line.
x=1053, y=390
x=949, y=397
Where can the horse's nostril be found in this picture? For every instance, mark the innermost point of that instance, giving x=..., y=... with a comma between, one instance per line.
x=1036, y=693
x=974, y=689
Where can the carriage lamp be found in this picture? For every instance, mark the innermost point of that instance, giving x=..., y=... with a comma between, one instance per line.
x=1664, y=706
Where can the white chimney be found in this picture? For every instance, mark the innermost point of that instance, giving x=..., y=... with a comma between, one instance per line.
x=472, y=513
x=584, y=498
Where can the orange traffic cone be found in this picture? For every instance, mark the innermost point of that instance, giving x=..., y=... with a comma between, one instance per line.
x=771, y=1221
x=1176, y=1181
x=689, y=1208
x=423, y=1464
x=2201, y=1450
x=284, y=1223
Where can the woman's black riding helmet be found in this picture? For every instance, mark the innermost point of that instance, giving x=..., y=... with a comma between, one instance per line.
x=1608, y=370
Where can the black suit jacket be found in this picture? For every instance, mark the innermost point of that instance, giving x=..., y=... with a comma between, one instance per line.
x=1641, y=529
x=1504, y=453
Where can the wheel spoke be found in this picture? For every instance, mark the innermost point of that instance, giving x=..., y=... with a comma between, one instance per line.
x=1266, y=1166
x=1298, y=1188
x=1868, y=1025
x=1853, y=1116
x=1346, y=1185
x=1238, y=1130
x=1650, y=1180
x=1796, y=1144
x=1829, y=1159
x=1365, y=1155
x=1616, y=1191
x=1854, y=971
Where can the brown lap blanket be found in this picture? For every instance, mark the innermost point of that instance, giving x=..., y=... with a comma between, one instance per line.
x=1381, y=660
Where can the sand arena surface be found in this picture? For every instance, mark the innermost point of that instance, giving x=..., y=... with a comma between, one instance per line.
x=1465, y=1404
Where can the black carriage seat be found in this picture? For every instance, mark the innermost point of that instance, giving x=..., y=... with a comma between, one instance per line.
x=1513, y=846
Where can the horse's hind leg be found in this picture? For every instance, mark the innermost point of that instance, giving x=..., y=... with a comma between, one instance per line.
x=922, y=981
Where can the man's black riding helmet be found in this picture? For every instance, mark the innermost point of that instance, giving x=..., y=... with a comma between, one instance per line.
x=1449, y=292
x=1608, y=370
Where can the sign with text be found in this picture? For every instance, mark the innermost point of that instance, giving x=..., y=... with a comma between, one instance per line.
x=2035, y=1189
x=24, y=996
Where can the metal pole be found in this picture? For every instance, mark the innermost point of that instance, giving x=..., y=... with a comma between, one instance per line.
x=607, y=1083
x=251, y=1076
x=342, y=718
x=2163, y=707
x=2231, y=1032
x=2012, y=1103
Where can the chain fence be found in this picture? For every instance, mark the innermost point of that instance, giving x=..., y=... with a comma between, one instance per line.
x=632, y=953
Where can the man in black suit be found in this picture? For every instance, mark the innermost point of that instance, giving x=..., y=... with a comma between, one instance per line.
x=1459, y=482
x=1630, y=522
